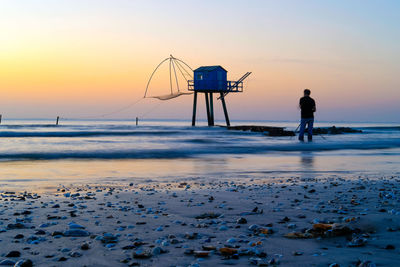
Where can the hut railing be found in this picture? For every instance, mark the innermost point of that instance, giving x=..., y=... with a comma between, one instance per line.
x=231, y=86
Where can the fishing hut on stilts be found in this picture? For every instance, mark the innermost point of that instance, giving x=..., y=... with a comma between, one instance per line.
x=207, y=80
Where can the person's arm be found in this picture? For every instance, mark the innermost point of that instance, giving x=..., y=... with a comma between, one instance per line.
x=300, y=103
x=314, y=109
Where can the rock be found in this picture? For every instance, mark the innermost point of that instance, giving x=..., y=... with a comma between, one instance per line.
x=208, y=215
x=12, y=226
x=13, y=254
x=142, y=254
x=223, y=228
x=24, y=263
x=357, y=242
x=258, y=261
x=7, y=262
x=254, y=227
x=188, y=252
x=334, y=265
x=158, y=251
x=241, y=221
x=85, y=246
x=201, y=253
x=108, y=238
x=228, y=251
x=367, y=264
x=191, y=235
x=322, y=227
x=40, y=232
x=295, y=235
x=76, y=233
x=62, y=259
x=390, y=247
x=297, y=253
x=73, y=225
x=75, y=254
x=56, y=233
x=209, y=248
x=19, y=236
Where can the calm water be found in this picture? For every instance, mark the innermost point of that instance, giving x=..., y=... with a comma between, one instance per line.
x=37, y=154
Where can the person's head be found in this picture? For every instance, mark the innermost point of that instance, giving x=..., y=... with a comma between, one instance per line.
x=307, y=92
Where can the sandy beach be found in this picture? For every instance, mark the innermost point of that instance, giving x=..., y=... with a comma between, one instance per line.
x=251, y=222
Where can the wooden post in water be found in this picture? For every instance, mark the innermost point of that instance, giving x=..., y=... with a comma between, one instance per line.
x=1, y=117
x=208, y=109
x=137, y=121
x=211, y=110
x=194, y=109
x=225, y=110
x=58, y=118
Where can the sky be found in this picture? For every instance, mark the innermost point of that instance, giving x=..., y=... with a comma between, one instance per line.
x=87, y=58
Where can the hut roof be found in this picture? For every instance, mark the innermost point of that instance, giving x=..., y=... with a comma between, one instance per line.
x=209, y=68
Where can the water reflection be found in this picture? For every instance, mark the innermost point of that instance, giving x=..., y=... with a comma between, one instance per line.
x=307, y=161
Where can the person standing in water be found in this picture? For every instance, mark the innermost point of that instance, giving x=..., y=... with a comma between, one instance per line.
x=307, y=106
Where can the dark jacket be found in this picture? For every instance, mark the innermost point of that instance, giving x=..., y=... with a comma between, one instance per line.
x=307, y=106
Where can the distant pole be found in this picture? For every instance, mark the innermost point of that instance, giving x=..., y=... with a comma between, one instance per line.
x=137, y=121
x=58, y=118
x=1, y=116
x=225, y=110
x=194, y=109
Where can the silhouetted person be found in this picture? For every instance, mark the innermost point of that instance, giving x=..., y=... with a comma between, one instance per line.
x=307, y=106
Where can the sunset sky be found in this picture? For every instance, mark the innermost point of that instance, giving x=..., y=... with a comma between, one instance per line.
x=88, y=57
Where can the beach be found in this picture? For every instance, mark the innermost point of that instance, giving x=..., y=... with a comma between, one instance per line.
x=150, y=196
x=288, y=222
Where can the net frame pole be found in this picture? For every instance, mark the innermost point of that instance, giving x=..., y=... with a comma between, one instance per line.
x=225, y=109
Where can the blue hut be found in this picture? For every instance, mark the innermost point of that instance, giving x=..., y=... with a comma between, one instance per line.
x=210, y=78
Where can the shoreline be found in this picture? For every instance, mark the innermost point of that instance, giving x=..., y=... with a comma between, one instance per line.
x=290, y=221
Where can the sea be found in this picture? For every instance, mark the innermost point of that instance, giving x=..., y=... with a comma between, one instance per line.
x=38, y=155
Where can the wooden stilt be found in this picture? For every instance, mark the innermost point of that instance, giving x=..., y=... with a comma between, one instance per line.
x=211, y=109
x=58, y=118
x=208, y=109
x=1, y=117
x=194, y=109
x=225, y=110
x=137, y=121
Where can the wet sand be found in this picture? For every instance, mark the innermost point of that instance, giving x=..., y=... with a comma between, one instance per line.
x=246, y=222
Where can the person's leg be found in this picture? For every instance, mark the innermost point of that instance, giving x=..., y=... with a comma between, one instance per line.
x=302, y=129
x=310, y=129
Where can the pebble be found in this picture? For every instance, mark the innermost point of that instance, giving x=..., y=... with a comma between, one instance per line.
x=13, y=254
x=75, y=254
x=241, y=221
x=142, y=254
x=24, y=263
x=19, y=236
x=73, y=225
x=7, y=262
x=201, y=253
x=76, y=233
x=85, y=246
x=367, y=264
